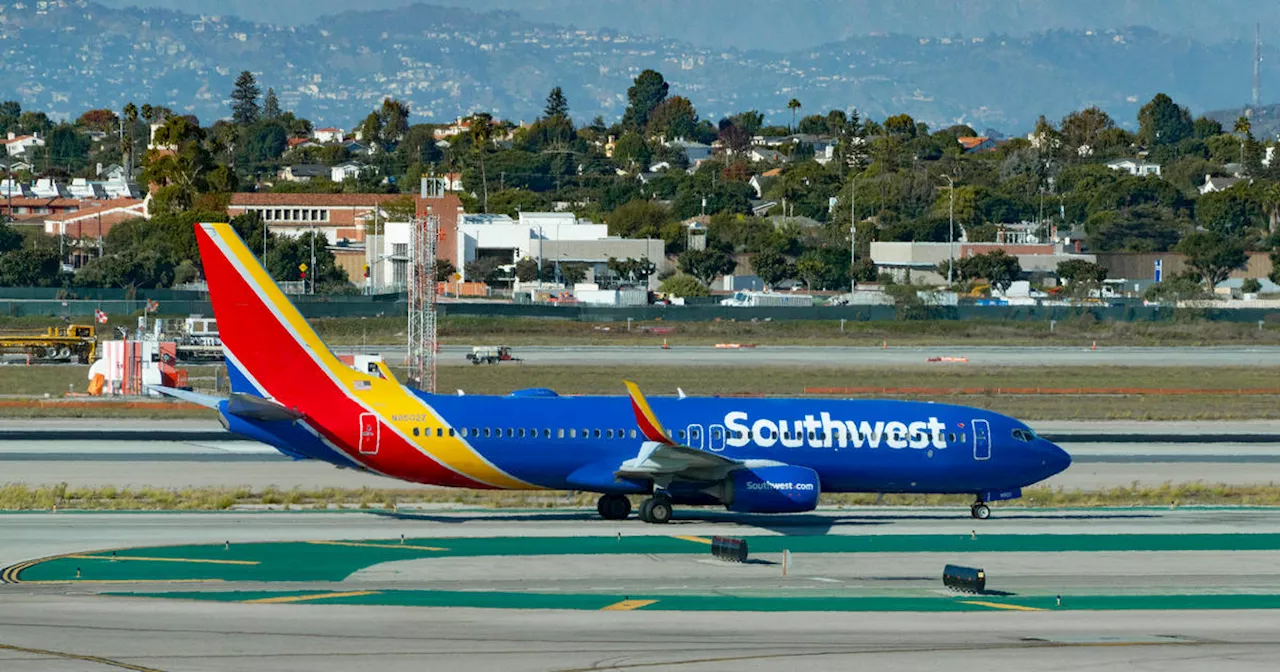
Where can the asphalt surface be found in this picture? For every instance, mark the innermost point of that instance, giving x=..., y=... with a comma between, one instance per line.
x=65, y=627
x=875, y=355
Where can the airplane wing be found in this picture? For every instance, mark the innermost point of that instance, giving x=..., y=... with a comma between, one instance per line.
x=661, y=458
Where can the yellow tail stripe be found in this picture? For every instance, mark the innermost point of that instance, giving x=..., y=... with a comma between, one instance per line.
x=310, y=598
x=628, y=605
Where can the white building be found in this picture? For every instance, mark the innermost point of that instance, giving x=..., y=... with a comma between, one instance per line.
x=17, y=145
x=346, y=171
x=1135, y=167
x=328, y=135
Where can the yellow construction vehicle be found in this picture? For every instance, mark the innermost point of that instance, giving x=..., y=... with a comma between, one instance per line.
x=57, y=344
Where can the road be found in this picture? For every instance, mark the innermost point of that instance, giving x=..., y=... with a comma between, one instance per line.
x=680, y=355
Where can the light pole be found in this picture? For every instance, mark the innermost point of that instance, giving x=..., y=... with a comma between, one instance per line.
x=853, y=229
x=951, y=229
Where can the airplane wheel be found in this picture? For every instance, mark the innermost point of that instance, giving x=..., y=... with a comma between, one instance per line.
x=659, y=510
x=614, y=507
x=980, y=511
x=645, y=507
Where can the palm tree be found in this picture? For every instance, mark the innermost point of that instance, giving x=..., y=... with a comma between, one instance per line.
x=793, y=105
x=481, y=132
x=1271, y=204
x=1244, y=128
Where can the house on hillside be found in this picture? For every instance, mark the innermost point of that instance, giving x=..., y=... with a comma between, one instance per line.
x=347, y=171
x=978, y=144
x=766, y=155
x=17, y=145
x=762, y=181
x=1135, y=167
x=326, y=136
x=1212, y=184
x=693, y=151
x=303, y=172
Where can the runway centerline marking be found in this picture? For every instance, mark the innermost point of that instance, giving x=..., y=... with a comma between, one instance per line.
x=628, y=605
x=308, y=598
x=696, y=540
x=368, y=545
x=997, y=605
x=148, y=559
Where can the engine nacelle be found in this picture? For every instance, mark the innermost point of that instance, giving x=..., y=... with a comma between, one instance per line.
x=780, y=489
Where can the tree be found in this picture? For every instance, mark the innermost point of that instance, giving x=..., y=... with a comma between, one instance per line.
x=394, y=117
x=638, y=218
x=631, y=150
x=526, y=270
x=66, y=148
x=1084, y=128
x=1163, y=122
x=573, y=274
x=683, y=286
x=1230, y=212
x=370, y=130
x=30, y=267
x=104, y=121
x=1080, y=270
x=631, y=269
x=1251, y=286
x=772, y=267
x=706, y=265
x=264, y=141
x=996, y=267
x=673, y=118
x=793, y=105
x=271, y=106
x=481, y=132
x=557, y=104
x=1212, y=255
x=646, y=92
x=244, y=99
x=9, y=239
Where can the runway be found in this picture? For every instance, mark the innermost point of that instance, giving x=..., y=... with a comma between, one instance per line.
x=195, y=453
x=71, y=626
x=871, y=355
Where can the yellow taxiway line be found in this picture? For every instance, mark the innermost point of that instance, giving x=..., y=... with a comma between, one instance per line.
x=628, y=605
x=308, y=598
x=997, y=605
x=144, y=559
x=696, y=540
x=366, y=545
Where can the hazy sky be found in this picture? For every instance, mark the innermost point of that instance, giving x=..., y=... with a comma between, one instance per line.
x=801, y=24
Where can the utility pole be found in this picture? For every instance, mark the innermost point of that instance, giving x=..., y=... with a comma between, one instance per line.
x=853, y=228
x=313, y=259
x=951, y=229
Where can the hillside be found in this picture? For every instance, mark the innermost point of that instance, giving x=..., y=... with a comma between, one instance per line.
x=65, y=56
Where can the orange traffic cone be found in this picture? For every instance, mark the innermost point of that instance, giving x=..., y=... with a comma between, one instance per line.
x=884, y=344
x=1095, y=346
x=664, y=345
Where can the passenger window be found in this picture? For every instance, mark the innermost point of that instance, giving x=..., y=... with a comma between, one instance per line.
x=951, y=437
x=450, y=431
x=633, y=433
x=440, y=431
x=415, y=431
x=560, y=433
x=546, y=433
x=573, y=433
x=487, y=432
x=511, y=433
x=609, y=434
x=681, y=435
x=597, y=433
x=522, y=432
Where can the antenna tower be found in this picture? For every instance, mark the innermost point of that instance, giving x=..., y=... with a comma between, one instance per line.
x=422, y=302
x=1257, y=65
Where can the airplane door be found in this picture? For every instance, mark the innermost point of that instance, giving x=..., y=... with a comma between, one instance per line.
x=715, y=438
x=695, y=436
x=981, y=440
x=369, y=434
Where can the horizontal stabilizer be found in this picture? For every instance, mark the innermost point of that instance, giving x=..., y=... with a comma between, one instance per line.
x=257, y=408
x=206, y=400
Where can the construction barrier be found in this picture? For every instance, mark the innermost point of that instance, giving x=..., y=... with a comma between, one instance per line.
x=731, y=549
x=964, y=579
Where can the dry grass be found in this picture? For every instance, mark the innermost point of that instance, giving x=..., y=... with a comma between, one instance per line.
x=24, y=498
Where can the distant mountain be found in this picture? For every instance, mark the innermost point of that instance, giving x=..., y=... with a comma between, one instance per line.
x=803, y=24
x=66, y=56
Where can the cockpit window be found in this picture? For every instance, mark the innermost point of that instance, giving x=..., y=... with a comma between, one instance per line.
x=1023, y=435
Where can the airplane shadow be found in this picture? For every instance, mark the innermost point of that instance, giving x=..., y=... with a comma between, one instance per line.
x=803, y=524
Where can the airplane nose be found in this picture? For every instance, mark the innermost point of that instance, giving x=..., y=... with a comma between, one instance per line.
x=1055, y=459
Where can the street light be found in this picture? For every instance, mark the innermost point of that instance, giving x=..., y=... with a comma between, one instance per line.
x=951, y=228
x=853, y=229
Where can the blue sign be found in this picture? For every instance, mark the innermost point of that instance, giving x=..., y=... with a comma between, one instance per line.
x=1159, y=269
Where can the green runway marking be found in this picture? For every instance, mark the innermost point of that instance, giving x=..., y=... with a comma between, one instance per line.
x=305, y=561
x=509, y=600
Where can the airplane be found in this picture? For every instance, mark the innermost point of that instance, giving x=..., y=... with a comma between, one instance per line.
x=758, y=455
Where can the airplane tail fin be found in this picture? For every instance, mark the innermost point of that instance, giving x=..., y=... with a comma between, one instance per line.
x=271, y=350
x=649, y=424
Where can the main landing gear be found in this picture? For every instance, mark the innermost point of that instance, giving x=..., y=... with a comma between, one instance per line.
x=656, y=509
x=980, y=510
x=614, y=507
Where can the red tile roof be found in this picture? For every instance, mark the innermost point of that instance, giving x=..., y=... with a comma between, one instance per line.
x=312, y=200
x=103, y=207
x=970, y=143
